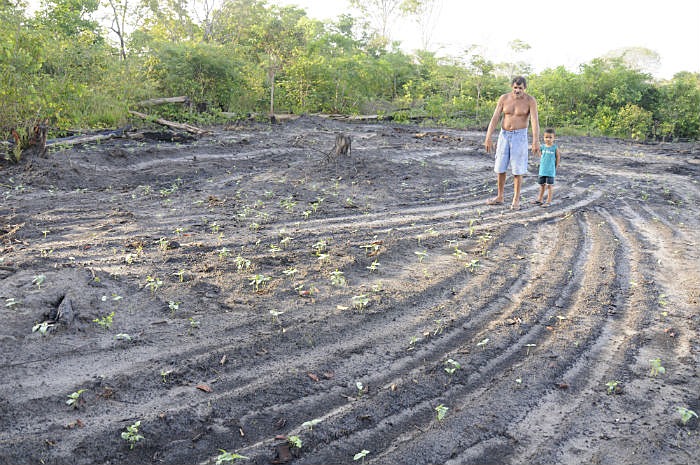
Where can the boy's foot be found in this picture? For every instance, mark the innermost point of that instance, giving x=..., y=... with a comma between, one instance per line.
x=515, y=206
x=546, y=204
x=494, y=201
x=537, y=202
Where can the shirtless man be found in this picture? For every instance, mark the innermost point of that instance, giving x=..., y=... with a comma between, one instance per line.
x=516, y=107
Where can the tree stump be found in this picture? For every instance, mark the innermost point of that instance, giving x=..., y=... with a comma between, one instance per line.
x=342, y=147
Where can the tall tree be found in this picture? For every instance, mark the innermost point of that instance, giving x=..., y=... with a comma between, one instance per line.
x=381, y=14
x=426, y=14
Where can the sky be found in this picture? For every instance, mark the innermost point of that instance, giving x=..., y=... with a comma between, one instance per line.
x=559, y=32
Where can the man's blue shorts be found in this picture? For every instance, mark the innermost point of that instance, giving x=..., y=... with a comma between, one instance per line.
x=512, y=151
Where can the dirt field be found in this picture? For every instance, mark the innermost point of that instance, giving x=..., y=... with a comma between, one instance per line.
x=260, y=292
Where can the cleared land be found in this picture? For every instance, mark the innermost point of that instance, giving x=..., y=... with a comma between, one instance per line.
x=258, y=284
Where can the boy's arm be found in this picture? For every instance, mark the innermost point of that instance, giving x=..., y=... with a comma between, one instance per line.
x=556, y=162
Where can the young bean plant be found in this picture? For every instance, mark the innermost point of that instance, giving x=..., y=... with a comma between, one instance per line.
x=131, y=435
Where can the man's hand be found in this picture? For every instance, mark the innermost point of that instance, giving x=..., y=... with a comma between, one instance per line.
x=489, y=145
x=536, y=147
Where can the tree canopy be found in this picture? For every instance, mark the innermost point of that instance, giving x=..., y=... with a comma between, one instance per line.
x=84, y=63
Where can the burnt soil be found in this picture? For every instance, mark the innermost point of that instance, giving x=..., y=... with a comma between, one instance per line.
x=254, y=284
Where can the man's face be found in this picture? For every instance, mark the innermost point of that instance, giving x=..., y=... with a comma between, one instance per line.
x=518, y=89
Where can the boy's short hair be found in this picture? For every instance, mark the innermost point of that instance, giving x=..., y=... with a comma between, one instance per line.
x=519, y=80
x=549, y=131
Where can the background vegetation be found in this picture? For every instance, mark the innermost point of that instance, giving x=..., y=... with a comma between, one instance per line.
x=84, y=63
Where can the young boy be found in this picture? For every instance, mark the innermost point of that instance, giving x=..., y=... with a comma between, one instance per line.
x=549, y=162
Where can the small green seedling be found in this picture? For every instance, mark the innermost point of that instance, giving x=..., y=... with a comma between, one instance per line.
x=131, y=435
x=11, y=302
x=153, y=284
x=338, y=278
x=473, y=265
x=361, y=455
x=482, y=343
x=421, y=255
x=228, y=457
x=164, y=375
x=194, y=323
x=294, y=441
x=74, y=398
x=612, y=386
x=223, y=253
x=656, y=368
x=360, y=302
x=242, y=264
x=106, y=321
x=275, y=316
x=42, y=328
x=360, y=389
x=441, y=412
x=38, y=280
x=173, y=306
x=180, y=275
x=451, y=366
x=311, y=423
x=374, y=266
x=686, y=415
x=529, y=346
x=258, y=281
x=123, y=337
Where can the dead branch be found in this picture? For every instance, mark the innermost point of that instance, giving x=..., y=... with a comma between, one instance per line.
x=171, y=124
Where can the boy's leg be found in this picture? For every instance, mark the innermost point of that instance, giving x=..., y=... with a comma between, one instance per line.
x=550, y=193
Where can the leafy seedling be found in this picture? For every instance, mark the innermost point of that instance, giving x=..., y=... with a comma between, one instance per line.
x=228, y=457
x=38, y=280
x=294, y=441
x=123, y=337
x=360, y=302
x=451, y=366
x=42, y=328
x=656, y=368
x=74, y=398
x=258, y=281
x=311, y=423
x=421, y=255
x=173, y=306
x=11, y=302
x=338, y=278
x=361, y=455
x=275, y=316
x=686, y=415
x=153, y=284
x=360, y=389
x=164, y=375
x=106, y=321
x=374, y=266
x=482, y=343
x=613, y=386
x=441, y=412
x=529, y=346
x=131, y=435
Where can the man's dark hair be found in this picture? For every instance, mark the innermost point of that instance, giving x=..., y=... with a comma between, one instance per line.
x=520, y=81
x=549, y=131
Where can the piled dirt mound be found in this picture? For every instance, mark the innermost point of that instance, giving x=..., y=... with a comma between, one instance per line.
x=240, y=290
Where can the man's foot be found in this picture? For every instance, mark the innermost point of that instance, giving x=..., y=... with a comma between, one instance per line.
x=537, y=202
x=494, y=201
x=546, y=204
x=515, y=206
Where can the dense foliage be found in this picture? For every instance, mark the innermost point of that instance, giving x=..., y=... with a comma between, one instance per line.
x=82, y=64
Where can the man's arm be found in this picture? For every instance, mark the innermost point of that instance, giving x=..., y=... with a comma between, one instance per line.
x=493, y=123
x=535, y=121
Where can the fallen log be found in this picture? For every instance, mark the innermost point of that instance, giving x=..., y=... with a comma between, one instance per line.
x=73, y=140
x=183, y=126
x=163, y=100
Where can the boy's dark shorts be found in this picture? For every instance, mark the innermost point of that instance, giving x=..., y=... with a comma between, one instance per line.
x=549, y=180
